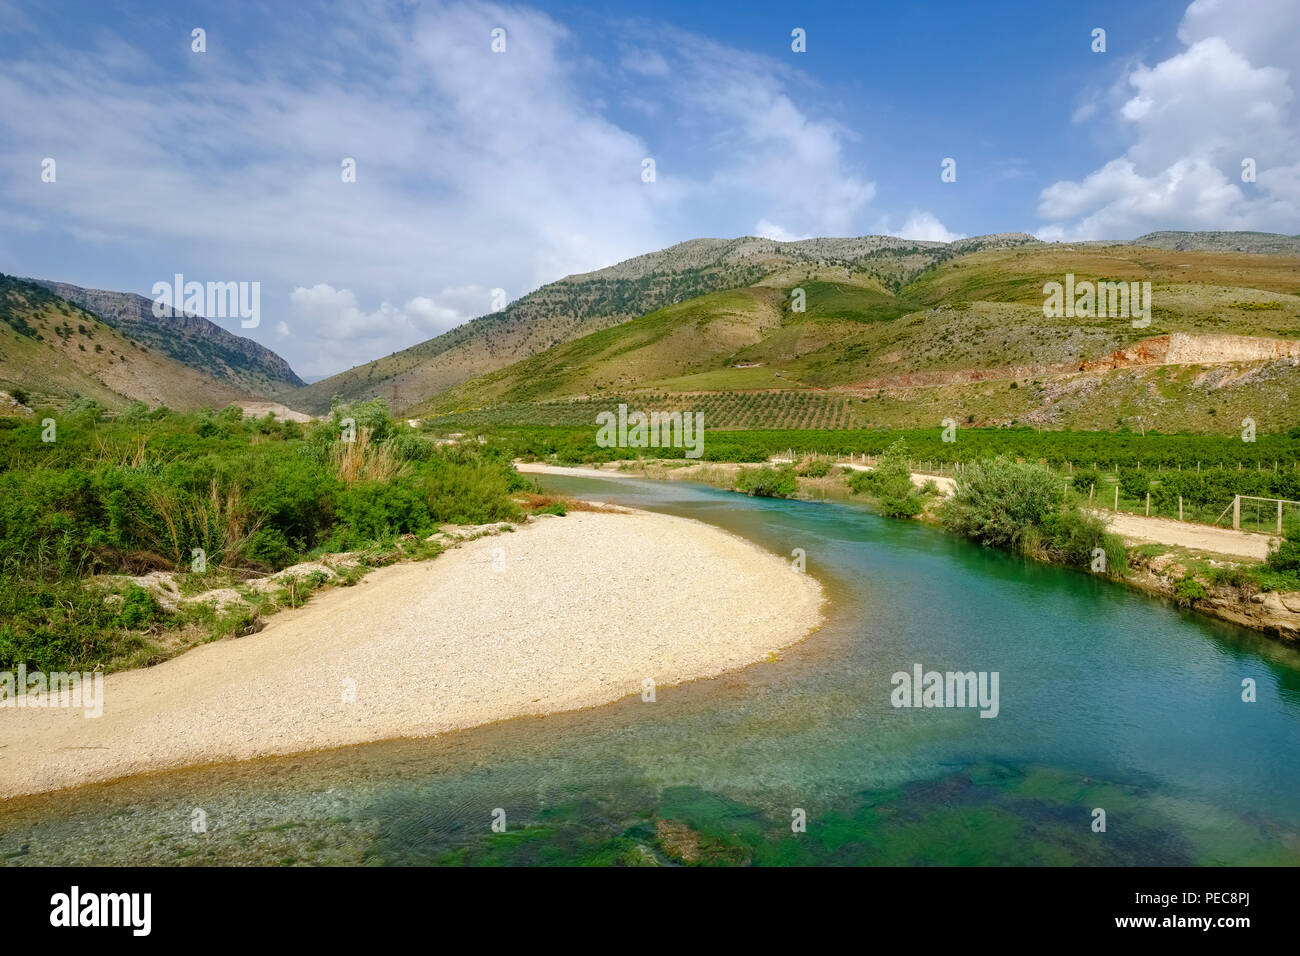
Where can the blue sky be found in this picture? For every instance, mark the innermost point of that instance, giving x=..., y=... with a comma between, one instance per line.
x=479, y=170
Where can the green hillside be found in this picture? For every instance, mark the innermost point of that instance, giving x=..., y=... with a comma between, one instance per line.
x=581, y=304
x=965, y=339
x=53, y=352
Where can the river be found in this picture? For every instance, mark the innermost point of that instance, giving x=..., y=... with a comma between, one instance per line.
x=1108, y=701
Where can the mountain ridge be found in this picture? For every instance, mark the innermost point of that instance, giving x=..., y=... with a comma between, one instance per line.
x=188, y=338
x=582, y=303
x=54, y=352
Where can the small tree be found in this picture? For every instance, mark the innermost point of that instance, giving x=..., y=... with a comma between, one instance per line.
x=891, y=483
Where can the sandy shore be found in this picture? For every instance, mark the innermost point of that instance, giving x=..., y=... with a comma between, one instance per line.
x=561, y=614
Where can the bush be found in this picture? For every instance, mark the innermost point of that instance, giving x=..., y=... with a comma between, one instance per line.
x=371, y=414
x=997, y=502
x=890, y=482
x=1230, y=576
x=1187, y=589
x=409, y=445
x=768, y=482
x=1134, y=483
x=1285, y=557
x=141, y=492
x=1024, y=508
x=469, y=491
x=375, y=511
x=139, y=609
x=269, y=546
x=816, y=468
x=1071, y=536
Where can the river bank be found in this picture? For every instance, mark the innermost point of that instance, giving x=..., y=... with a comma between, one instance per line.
x=1188, y=547
x=563, y=613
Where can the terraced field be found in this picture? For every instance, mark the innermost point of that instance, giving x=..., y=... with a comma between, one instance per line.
x=784, y=408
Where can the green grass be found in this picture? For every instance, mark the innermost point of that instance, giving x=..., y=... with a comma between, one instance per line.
x=115, y=498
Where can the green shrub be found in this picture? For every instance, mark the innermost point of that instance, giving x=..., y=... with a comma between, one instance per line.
x=1071, y=536
x=140, y=492
x=373, y=511
x=371, y=414
x=1285, y=557
x=890, y=482
x=1024, y=507
x=816, y=468
x=1134, y=483
x=1187, y=589
x=410, y=445
x=469, y=491
x=1230, y=576
x=996, y=502
x=139, y=609
x=767, y=482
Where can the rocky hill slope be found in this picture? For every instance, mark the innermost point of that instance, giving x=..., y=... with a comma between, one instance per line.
x=190, y=339
x=581, y=304
x=53, y=352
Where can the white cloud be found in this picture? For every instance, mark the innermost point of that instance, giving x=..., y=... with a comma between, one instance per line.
x=1191, y=120
x=1084, y=111
x=925, y=226
x=336, y=320
x=770, y=230
x=475, y=170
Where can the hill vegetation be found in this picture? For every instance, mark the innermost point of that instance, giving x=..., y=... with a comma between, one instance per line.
x=582, y=304
x=82, y=517
x=964, y=339
x=55, y=353
x=190, y=339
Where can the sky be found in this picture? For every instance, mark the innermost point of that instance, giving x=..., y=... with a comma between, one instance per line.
x=481, y=169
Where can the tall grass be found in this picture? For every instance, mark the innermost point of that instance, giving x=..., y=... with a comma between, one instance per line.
x=143, y=492
x=365, y=460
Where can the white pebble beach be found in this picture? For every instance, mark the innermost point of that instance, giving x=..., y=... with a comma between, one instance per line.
x=561, y=614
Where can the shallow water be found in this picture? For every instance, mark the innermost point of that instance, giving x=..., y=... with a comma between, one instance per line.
x=1108, y=699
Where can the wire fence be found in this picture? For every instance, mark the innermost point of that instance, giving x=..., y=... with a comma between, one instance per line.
x=1105, y=491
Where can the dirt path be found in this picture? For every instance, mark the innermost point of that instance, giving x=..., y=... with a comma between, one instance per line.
x=562, y=614
x=1138, y=529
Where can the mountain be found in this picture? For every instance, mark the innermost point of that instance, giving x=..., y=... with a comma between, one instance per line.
x=1269, y=243
x=580, y=304
x=965, y=338
x=190, y=339
x=53, y=352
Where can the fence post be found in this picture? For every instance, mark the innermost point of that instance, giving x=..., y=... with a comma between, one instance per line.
x=1180, y=507
x=1091, y=488
x=1279, y=516
x=1236, y=513
x=1148, y=504
x=1117, y=497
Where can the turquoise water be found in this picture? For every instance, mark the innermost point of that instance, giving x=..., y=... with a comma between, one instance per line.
x=1107, y=699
